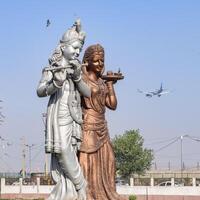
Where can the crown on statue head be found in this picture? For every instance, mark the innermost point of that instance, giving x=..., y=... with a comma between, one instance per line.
x=74, y=33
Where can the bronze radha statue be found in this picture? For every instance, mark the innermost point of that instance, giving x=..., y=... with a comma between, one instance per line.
x=96, y=153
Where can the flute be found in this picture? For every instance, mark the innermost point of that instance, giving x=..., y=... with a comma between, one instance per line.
x=61, y=67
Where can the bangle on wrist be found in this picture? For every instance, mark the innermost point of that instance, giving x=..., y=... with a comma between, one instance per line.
x=57, y=84
x=78, y=79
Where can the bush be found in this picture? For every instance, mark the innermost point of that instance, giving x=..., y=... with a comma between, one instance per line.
x=132, y=197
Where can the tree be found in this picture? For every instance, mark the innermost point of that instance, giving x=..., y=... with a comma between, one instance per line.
x=131, y=156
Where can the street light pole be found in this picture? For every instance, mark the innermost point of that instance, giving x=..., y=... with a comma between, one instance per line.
x=181, y=158
x=182, y=136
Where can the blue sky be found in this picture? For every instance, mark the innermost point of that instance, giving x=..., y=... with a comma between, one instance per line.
x=151, y=41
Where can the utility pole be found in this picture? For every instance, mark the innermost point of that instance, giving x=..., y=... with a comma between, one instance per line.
x=30, y=149
x=155, y=166
x=197, y=165
x=23, y=158
x=44, y=117
x=184, y=166
x=169, y=166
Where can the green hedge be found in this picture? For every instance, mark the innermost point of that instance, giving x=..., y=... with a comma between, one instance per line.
x=132, y=197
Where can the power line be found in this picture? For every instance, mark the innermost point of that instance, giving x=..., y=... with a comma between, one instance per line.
x=38, y=152
x=193, y=138
x=176, y=139
x=197, y=139
x=162, y=141
x=167, y=145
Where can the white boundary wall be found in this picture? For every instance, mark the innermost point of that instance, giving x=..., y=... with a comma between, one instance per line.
x=159, y=190
x=126, y=190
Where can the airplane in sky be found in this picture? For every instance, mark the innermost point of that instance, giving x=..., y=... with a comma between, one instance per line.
x=159, y=92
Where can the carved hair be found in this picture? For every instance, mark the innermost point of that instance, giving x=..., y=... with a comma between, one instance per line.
x=56, y=56
x=90, y=52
